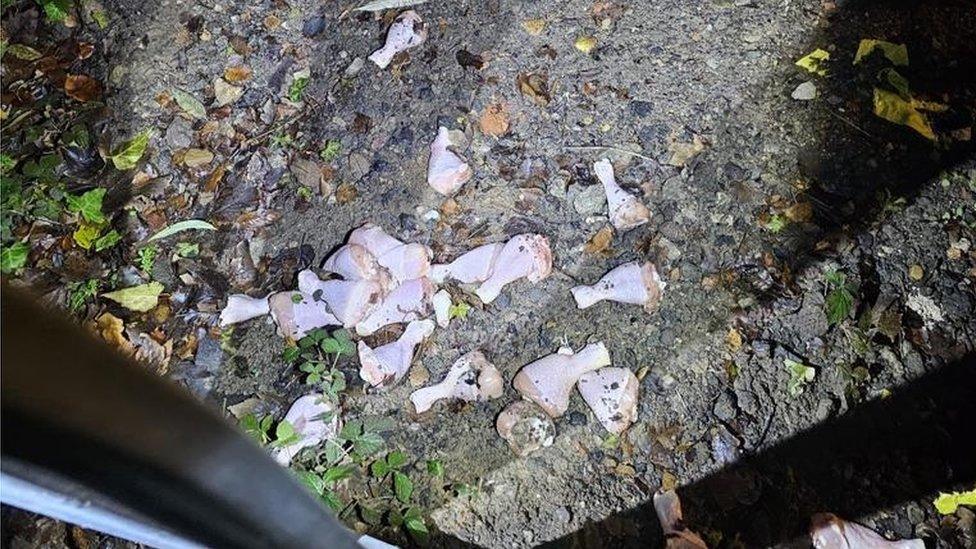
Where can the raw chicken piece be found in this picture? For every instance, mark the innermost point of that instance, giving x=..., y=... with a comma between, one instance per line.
x=314, y=420
x=525, y=255
x=408, y=30
x=549, y=380
x=385, y=365
x=612, y=395
x=348, y=300
x=471, y=378
x=403, y=261
x=241, y=307
x=626, y=211
x=525, y=427
x=442, y=308
x=354, y=262
x=628, y=283
x=296, y=314
x=473, y=266
x=678, y=536
x=828, y=531
x=446, y=171
x=409, y=301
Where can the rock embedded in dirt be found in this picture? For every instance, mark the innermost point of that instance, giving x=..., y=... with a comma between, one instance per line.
x=612, y=395
x=313, y=26
x=407, y=31
x=628, y=283
x=179, y=134
x=626, y=211
x=549, y=381
x=525, y=427
x=385, y=365
x=471, y=378
x=806, y=91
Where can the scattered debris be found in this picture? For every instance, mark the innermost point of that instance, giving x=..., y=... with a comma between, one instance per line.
x=667, y=505
x=141, y=298
x=628, y=283
x=494, y=121
x=549, y=380
x=682, y=153
x=407, y=31
x=828, y=531
x=525, y=427
x=535, y=86
x=896, y=53
x=626, y=211
x=446, y=171
x=815, y=62
x=612, y=395
x=384, y=366
x=471, y=378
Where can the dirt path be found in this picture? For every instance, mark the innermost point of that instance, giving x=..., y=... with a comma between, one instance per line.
x=745, y=295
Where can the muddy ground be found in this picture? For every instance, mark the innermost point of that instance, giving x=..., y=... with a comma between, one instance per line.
x=877, y=202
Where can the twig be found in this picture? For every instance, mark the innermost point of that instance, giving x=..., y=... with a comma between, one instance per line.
x=847, y=121
x=607, y=148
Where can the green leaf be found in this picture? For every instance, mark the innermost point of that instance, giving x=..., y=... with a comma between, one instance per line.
x=332, y=500
x=86, y=235
x=55, y=10
x=108, y=240
x=896, y=53
x=369, y=515
x=458, y=310
x=147, y=258
x=379, y=468
x=348, y=348
x=14, y=257
x=189, y=104
x=946, y=504
x=127, y=155
x=435, y=467
x=800, y=375
x=403, y=486
x=368, y=444
x=189, y=224
x=297, y=88
x=416, y=527
x=313, y=481
x=776, y=223
x=396, y=459
x=291, y=354
x=187, y=249
x=44, y=169
x=25, y=53
x=338, y=472
x=331, y=150
x=839, y=303
x=100, y=18
x=333, y=452
x=331, y=346
x=6, y=163
x=140, y=298
x=285, y=434
x=88, y=205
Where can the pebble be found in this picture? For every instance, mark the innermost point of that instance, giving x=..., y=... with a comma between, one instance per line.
x=805, y=92
x=590, y=200
x=313, y=26
x=641, y=108
x=577, y=418
x=226, y=93
x=353, y=69
x=179, y=134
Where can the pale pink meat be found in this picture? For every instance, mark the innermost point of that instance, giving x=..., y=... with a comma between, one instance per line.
x=549, y=381
x=628, y=283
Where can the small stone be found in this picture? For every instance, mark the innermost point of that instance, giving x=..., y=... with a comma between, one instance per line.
x=641, y=108
x=562, y=515
x=313, y=26
x=226, y=93
x=209, y=354
x=179, y=134
x=195, y=158
x=590, y=200
x=806, y=91
x=577, y=418
x=308, y=173
x=353, y=69
x=915, y=272
x=359, y=165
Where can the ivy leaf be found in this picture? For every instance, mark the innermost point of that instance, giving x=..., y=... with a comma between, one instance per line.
x=396, y=459
x=88, y=205
x=402, y=486
x=345, y=341
x=337, y=473
x=368, y=444
x=14, y=257
x=107, y=240
x=379, y=468
x=86, y=235
x=800, y=375
x=127, y=155
x=140, y=298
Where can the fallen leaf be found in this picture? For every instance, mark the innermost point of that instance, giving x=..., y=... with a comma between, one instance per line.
x=534, y=26
x=801, y=212
x=24, y=53
x=381, y=5
x=189, y=104
x=256, y=219
x=345, y=193
x=225, y=93
x=153, y=354
x=585, y=44
x=195, y=158
x=681, y=153
x=733, y=339
x=894, y=108
x=189, y=224
x=946, y=504
x=896, y=53
x=494, y=121
x=140, y=298
x=237, y=74
x=111, y=329
x=272, y=22
x=82, y=88
x=535, y=86
x=814, y=61
x=128, y=153
x=213, y=181
x=600, y=242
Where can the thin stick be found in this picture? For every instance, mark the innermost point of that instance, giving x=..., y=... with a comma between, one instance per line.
x=607, y=148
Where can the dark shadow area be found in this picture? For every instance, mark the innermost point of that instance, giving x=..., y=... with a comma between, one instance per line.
x=862, y=166
x=884, y=452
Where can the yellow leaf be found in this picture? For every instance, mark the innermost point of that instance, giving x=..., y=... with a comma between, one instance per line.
x=947, y=504
x=896, y=53
x=86, y=235
x=585, y=44
x=893, y=108
x=534, y=26
x=140, y=298
x=814, y=60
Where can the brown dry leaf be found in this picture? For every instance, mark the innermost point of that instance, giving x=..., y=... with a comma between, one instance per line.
x=237, y=74
x=450, y=207
x=681, y=153
x=494, y=121
x=534, y=26
x=213, y=181
x=535, y=86
x=82, y=88
x=345, y=193
x=801, y=212
x=419, y=375
x=187, y=347
x=272, y=22
x=256, y=220
x=111, y=329
x=600, y=242
x=164, y=99
x=733, y=339
x=195, y=158
x=151, y=353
